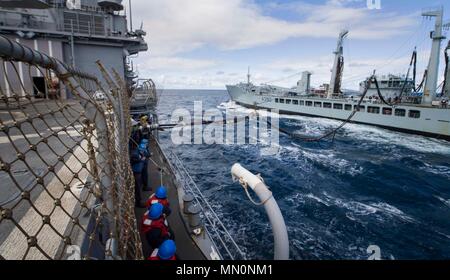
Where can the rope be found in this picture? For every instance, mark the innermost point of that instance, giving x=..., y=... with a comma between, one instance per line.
x=251, y=199
x=245, y=186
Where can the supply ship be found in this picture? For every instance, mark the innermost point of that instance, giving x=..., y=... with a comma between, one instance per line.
x=391, y=102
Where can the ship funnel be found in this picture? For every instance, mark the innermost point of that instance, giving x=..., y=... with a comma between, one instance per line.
x=247, y=179
x=304, y=85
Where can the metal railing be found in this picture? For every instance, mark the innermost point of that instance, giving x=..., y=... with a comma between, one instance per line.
x=144, y=95
x=65, y=160
x=220, y=236
x=79, y=22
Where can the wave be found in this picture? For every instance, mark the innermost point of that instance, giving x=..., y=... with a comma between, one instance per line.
x=327, y=158
x=437, y=169
x=361, y=209
x=443, y=200
x=357, y=209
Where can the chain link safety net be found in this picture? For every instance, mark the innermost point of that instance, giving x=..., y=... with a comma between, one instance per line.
x=66, y=188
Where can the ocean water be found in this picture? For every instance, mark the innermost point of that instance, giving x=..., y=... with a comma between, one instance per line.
x=370, y=186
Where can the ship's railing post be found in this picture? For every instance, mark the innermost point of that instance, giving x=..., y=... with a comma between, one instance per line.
x=281, y=239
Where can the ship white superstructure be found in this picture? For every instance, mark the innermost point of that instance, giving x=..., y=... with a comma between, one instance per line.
x=404, y=110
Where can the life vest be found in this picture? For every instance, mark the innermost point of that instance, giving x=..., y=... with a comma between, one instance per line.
x=145, y=130
x=154, y=256
x=148, y=224
x=153, y=199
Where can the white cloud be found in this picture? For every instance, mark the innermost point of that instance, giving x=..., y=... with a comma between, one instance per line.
x=179, y=64
x=176, y=27
x=275, y=72
x=199, y=81
x=355, y=70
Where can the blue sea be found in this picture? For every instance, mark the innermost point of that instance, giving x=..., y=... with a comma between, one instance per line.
x=370, y=186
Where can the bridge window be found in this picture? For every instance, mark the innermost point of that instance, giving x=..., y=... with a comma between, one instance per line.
x=337, y=106
x=317, y=104
x=387, y=111
x=276, y=100
x=348, y=107
x=281, y=100
x=326, y=105
x=295, y=102
x=288, y=101
x=400, y=112
x=373, y=110
x=302, y=102
x=308, y=103
x=414, y=114
x=360, y=108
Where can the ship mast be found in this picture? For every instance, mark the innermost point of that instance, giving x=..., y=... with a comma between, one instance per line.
x=433, y=65
x=336, y=72
x=248, y=76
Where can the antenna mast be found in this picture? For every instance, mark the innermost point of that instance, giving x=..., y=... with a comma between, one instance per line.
x=248, y=76
x=336, y=72
x=131, y=16
x=433, y=65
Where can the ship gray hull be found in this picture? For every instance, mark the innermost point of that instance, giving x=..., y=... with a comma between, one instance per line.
x=431, y=122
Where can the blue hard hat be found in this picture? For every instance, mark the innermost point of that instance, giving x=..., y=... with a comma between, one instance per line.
x=161, y=192
x=167, y=249
x=142, y=146
x=155, y=211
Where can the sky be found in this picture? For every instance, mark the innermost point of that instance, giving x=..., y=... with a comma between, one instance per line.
x=206, y=44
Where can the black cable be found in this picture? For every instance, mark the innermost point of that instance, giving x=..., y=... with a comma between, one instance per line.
x=412, y=64
x=419, y=87
x=335, y=130
x=415, y=68
x=299, y=136
x=446, y=71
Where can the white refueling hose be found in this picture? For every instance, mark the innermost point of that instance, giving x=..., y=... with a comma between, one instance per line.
x=280, y=236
